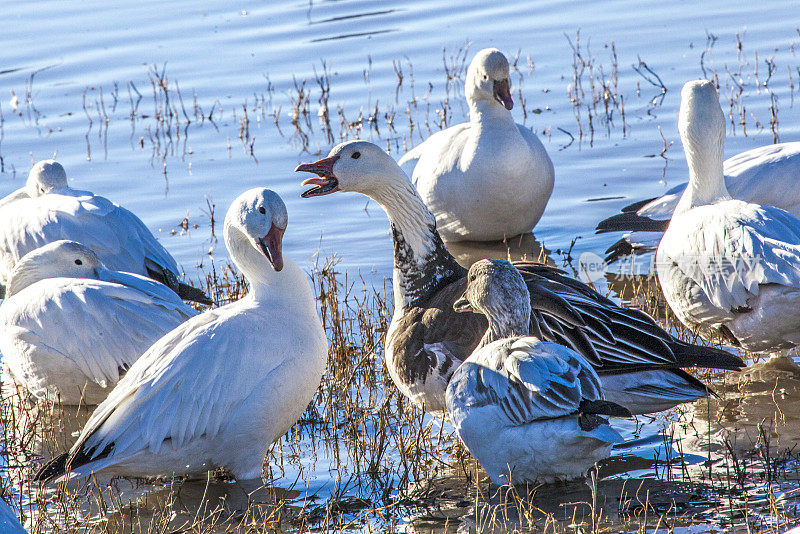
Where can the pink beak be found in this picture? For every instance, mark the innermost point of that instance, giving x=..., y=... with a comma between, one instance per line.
x=271, y=246
x=326, y=183
x=502, y=93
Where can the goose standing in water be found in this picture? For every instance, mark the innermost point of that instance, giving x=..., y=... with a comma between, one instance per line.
x=639, y=364
x=724, y=263
x=70, y=327
x=455, y=167
x=220, y=388
x=528, y=410
x=768, y=175
x=48, y=210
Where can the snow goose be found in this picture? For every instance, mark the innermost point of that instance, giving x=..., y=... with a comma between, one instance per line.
x=457, y=166
x=528, y=410
x=638, y=362
x=766, y=175
x=727, y=264
x=221, y=387
x=48, y=210
x=69, y=326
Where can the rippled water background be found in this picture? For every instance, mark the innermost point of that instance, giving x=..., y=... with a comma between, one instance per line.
x=230, y=54
x=76, y=80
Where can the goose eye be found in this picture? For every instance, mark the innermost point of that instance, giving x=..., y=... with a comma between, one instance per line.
x=262, y=210
x=78, y=262
x=485, y=77
x=356, y=155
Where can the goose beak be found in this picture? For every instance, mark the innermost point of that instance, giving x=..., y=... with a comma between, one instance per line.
x=271, y=246
x=326, y=183
x=462, y=304
x=502, y=93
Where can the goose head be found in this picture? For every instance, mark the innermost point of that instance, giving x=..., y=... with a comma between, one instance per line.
x=59, y=259
x=496, y=289
x=701, y=122
x=357, y=166
x=45, y=177
x=701, y=125
x=255, y=223
x=488, y=79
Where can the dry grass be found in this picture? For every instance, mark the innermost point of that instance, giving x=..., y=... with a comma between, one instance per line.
x=384, y=463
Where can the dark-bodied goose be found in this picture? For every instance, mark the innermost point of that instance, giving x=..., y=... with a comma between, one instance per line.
x=528, y=410
x=724, y=263
x=48, y=210
x=639, y=363
x=69, y=326
x=220, y=388
x=490, y=152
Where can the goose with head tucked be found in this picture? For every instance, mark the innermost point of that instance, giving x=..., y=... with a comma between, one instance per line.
x=456, y=167
x=638, y=362
x=70, y=327
x=726, y=264
x=219, y=389
x=47, y=209
x=528, y=410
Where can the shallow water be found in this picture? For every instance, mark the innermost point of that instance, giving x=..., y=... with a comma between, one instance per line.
x=76, y=81
x=251, y=52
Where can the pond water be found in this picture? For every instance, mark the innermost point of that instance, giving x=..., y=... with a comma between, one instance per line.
x=170, y=108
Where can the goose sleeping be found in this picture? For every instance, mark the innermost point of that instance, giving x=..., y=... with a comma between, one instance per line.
x=457, y=166
x=723, y=263
x=220, y=388
x=767, y=175
x=48, y=210
x=528, y=410
x=639, y=364
x=70, y=327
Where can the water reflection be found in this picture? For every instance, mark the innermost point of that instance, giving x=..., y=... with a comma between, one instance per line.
x=757, y=415
x=524, y=247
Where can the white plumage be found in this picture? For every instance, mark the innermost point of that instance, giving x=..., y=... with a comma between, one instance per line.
x=489, y=178
x=69, y=327
x=220, y=388
x=725, y=263
x=48, y=210
x=520, y=404
x=767, y=176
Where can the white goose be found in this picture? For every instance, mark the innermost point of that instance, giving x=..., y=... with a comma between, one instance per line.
x=457, y=166
x=220, y=388
x=69, y=326
x=528, y=410
x=48, y=210
x=767, y=175
x=724, y=263
x=638, y=362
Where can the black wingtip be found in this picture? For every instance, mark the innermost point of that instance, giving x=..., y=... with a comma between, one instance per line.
x=603, y=407
x=636, y=206
x=184, y=291
x=52, y=469
x=193, y=294
x=630, y=221
x=689, y=355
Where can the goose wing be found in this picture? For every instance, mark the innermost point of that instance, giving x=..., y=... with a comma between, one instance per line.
x=531, y=380
x=176, y=392
x=613, y=339
x=101, y=327
x=727, y=250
